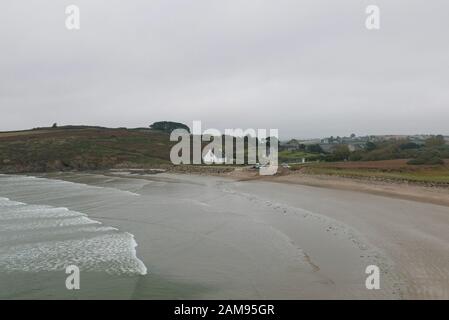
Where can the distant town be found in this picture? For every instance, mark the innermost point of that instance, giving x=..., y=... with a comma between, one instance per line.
x=354, y=142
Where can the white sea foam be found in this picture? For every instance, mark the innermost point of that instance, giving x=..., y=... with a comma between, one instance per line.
x=44, y=238
x=31, y=181
x=112, y=253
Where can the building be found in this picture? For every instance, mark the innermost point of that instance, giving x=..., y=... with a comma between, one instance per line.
x=292, y=145
x=211, y=158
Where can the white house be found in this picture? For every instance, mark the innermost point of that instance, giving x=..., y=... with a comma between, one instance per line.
x=211, y=158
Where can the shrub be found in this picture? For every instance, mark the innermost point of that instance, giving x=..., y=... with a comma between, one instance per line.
x=341, y=152
x=429, y=161
x=169, y=126
x=314, y=148
x=435, y=141
x=370, y=146
x=431, y=157
x=409, y=145
x=355, y=156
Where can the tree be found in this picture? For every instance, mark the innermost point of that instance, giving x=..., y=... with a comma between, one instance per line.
x=55, y=125
x=435, y=141
x=341, y=152
x=430, y=158
x=409, y=145
x=169, y=126
x=370, y=146
x=314, y=148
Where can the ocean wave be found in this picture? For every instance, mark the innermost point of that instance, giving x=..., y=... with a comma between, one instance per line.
x=43, y=238
x=32, y=180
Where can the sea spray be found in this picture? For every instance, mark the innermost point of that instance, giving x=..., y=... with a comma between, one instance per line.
x=37, y=238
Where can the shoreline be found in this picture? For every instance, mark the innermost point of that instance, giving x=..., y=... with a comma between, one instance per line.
x=260, y=226
x=287, y=235
x=406, y=191
x=419, y=192
x=413, y=191
x=410, y=235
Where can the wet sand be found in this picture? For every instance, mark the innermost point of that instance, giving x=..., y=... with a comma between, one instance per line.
x=211, y=237
x=413, y=235
x=399, y=190
x=416, y=239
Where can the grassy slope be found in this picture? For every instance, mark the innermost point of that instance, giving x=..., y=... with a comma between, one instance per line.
x=90, y=148
x=294, y=156
x=82, y=148
x=383, y=170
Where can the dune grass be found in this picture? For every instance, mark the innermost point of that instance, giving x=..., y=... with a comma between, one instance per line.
x=438, y=174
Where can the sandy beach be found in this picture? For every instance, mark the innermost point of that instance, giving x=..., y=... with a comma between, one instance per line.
x=400, y=190
x=217, y=238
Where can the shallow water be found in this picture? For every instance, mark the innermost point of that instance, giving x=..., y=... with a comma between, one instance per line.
x=168, y=236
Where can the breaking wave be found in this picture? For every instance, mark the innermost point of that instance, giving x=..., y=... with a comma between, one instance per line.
x=44, y=238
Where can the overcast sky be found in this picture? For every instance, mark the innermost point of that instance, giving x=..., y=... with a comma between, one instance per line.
x=308, y=68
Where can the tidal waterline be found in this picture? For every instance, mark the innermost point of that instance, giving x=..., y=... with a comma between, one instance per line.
x=193, y=237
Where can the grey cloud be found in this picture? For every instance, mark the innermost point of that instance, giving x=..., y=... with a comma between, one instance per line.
x=309, y=68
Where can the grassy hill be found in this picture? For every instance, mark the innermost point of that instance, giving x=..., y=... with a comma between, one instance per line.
x=398, y=170
x=82, y=148
x=97, y=148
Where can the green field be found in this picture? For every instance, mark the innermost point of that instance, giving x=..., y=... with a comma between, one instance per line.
x=295, y=156
x=396, y=170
